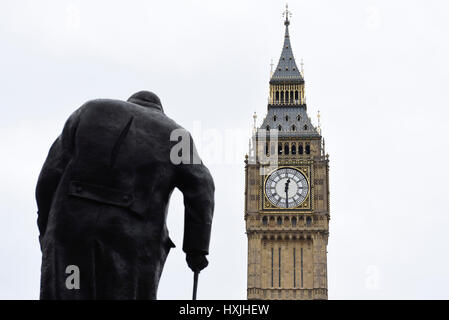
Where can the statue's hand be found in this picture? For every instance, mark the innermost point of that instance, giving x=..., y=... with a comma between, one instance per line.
x=196, y=261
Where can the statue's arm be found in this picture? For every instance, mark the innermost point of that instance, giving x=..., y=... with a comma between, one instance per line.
x=197, y=186
x=47, y=183
x=53, y=169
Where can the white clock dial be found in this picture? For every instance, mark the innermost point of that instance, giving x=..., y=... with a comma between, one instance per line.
x=286, y=188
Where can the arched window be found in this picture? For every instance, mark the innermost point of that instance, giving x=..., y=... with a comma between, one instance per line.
x=280, y=148
x=274, y=118
x=279, y=127
x=306, y=127
x=308, y=221
x=266, y=148
x=286, y=149
x=293, y=128
x=268, y=128
x=279, y=221
x=293, y=148
x=307, y=149
x=291, y=96
x=282, y=96
x=300, y=149
x=298, y=118
x=277, y=96
x=265, y=221
x=286, y=96
x=286, y=118
x=296, y=95
x=294, y=221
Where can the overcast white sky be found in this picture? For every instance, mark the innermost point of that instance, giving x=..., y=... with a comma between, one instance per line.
x=378, y=72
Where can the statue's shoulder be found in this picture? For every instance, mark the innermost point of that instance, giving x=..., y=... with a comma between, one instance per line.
x=118, y=109
x=101, y=108
x=105, y=104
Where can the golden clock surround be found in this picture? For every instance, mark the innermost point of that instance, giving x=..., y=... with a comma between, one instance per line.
x=305, y=206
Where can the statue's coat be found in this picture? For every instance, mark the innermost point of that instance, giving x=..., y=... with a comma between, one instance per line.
x=103, y=195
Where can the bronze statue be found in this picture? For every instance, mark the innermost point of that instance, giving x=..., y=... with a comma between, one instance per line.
x=103, y=196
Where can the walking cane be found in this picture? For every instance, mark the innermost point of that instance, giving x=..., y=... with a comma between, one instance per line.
x=195, y=284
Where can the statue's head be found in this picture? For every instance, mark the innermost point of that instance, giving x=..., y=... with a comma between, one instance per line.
x=146, y=99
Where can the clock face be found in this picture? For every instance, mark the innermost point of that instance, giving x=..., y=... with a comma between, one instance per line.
x=286, y=188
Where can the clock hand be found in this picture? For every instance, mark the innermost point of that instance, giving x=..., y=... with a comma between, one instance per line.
x=286, y=185
x=286, y=193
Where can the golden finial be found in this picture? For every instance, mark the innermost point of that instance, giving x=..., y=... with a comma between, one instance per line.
x=319, y=123
x=302, y=68
x=286, y=14
x=255, y=118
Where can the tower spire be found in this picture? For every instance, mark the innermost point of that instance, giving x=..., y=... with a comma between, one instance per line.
x=286, y=69
x=287, y=82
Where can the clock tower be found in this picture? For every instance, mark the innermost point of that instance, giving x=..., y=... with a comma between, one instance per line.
x=287, y=193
